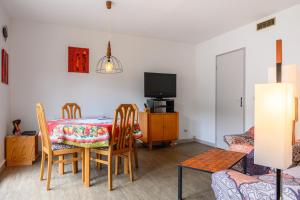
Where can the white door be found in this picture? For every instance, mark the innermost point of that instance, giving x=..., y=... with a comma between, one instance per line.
x=229, y=95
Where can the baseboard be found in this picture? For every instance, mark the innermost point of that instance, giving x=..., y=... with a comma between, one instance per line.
x=182, y=141
x=2, y=166
x=205, y=142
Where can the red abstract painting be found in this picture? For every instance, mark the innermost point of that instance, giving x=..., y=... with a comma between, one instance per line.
x=78, y=60
x=4, y=67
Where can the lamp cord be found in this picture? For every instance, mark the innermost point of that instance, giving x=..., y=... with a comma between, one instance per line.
x=108, y=23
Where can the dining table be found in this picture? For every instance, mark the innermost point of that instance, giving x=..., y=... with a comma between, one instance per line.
x=86, y=133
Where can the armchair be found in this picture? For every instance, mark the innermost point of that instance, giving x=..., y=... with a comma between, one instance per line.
x=232, y=185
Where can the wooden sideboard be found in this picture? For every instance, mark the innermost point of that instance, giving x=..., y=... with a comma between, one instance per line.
x=21, y=150
x=159, y=127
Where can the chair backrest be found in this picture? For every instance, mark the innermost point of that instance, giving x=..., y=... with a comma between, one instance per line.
x=73, y=111
x=136, y=113
x=43, y=127
x=123, y=127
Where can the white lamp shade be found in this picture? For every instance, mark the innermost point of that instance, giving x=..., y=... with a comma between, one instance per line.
x=290, y=74
x=274, y=114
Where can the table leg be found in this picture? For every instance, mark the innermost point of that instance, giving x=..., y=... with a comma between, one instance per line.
x=83, y=166
x=245, y=164
x=87, y=167
x=179, y=182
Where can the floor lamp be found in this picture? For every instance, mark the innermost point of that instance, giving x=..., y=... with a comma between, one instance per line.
x=274, y=116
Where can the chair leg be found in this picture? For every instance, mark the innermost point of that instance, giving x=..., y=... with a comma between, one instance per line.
x=61, y=166
x=109, y=172
x=117, y=161
x=98, y=165
x=42, y=166
x=75, y=164
x=49, y=171
x=82, y=166
x=135, y=156
x=126, y=165
x=130, y=166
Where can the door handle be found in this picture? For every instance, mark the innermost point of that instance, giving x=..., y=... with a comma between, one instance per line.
x=241, y=102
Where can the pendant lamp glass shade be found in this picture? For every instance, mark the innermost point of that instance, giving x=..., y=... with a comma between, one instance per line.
x=109, y=64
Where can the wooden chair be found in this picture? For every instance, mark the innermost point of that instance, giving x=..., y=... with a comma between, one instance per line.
x=73, y=111
x=121, y=141
x=51, y=150
x=136, y=120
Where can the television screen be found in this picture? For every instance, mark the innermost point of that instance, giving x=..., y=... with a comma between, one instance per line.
x=159, y=85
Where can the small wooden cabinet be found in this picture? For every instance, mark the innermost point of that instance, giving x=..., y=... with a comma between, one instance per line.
x=159, y=127
x=21, y=150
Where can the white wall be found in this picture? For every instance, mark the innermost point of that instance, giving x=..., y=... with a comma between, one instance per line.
x=260, y=54
x=39, y=71
x=4, y=91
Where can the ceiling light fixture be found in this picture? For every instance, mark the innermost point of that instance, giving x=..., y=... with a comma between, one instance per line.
x=109, y=64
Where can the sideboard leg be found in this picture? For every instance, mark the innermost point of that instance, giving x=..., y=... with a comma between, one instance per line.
x=150, y=146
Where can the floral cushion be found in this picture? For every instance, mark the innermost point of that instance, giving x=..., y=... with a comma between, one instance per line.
x=57, y=146
x=296, y=154
x=243, y=148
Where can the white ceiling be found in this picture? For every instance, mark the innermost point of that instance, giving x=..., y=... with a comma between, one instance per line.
x=190, y=21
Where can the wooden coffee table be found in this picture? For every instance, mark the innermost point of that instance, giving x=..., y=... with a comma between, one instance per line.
x=211, y=161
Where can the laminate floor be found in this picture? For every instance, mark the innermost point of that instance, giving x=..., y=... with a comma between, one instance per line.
x=156, y=178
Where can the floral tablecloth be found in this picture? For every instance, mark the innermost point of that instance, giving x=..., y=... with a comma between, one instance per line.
x=89, y=133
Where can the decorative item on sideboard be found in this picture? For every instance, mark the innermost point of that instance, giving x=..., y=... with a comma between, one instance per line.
x=18, y=131
x=17, y=127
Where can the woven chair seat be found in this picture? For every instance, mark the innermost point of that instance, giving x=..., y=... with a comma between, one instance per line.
x=57, y=146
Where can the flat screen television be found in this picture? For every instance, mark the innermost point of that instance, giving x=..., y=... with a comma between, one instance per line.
x=158, y=85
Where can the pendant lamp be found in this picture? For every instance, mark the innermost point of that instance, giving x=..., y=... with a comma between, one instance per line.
x=109, y=64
